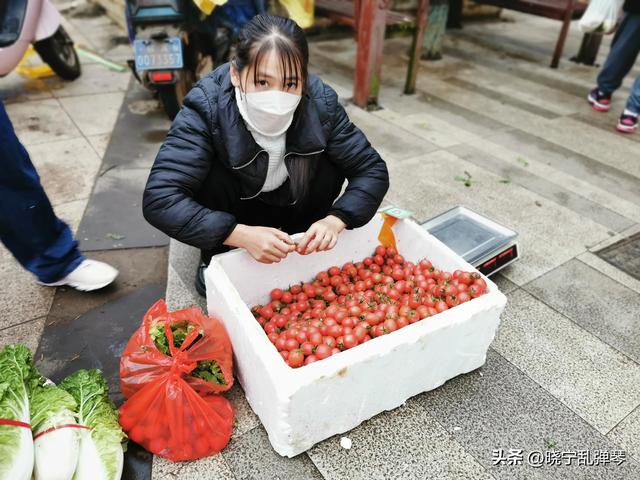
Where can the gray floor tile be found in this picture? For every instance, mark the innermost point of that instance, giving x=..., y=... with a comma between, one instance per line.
x=67, y=169
x=545, y=188
x=208, y=468
x=522, y=88
x=502, y=97
x=15, y=88
x=610, y=271
x=566, y=160
x=71, y=213
x=252, y=458
x=104, y=226
x=388, y=139
x=27, y=333
x=511, y=66
x=504, y=284
x=405, y=443
x=624, y=254
x=604, y=122
x=599, y=304
x=245, y=419
x=597, y=382
x=627, y=434
x=425, y=126
x=549, y=234
x=95, y=78
x=21, y=298
x=100, y=143
x=41, y=121
x=538, y=164
x=499, y=407
x=93, y=114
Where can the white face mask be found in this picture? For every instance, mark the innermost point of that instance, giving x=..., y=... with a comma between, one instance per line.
x=269, y=113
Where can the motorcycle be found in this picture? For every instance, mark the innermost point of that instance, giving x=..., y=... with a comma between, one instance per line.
x=36, y=22
x=174, y=43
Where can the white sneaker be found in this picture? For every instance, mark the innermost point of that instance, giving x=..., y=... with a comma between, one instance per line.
x=89, y=275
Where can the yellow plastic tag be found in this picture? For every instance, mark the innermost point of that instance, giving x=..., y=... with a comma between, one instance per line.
x=386, y=236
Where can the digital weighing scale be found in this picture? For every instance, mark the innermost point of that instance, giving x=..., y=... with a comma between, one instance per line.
x=483, y=243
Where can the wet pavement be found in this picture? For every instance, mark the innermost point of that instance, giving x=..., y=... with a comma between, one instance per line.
x=563, y=373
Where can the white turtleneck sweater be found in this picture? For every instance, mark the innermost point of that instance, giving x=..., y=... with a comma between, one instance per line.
x=277, y=172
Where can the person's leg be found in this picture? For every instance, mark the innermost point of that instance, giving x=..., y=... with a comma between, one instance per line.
x=633, y=103
x=628, y=122
x=220, y=191
x=622, y=56
x=41, y=242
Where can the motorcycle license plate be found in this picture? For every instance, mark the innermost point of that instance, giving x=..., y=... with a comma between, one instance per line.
x=163, y=54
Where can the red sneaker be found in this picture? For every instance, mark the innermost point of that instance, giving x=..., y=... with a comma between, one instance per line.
x=627, y=123
x=599, y=101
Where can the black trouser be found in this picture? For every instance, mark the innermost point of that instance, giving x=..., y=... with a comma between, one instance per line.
x=221, y=191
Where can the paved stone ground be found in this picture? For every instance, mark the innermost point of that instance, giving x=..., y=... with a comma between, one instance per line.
x=563, y=372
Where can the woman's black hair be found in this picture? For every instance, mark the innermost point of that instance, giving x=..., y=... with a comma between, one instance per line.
x=264, y=33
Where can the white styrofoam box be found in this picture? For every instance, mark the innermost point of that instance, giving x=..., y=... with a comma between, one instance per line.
x=300, y=407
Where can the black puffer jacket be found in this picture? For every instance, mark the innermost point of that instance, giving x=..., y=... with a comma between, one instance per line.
x=632, y=6
x=209, y=130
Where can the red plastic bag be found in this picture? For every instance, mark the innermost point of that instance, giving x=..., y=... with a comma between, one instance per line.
x=142, y=362
x=169, y=411
x=168, y=418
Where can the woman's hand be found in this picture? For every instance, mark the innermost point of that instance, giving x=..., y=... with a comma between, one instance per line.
x=266, y=245
x=321, y=236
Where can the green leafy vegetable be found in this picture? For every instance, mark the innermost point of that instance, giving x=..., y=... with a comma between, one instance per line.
x=18, y=377
x=207, y=370
x=47, y=404
x=101, y=450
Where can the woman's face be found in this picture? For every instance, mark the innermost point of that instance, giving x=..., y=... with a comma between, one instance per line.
x=270, y=77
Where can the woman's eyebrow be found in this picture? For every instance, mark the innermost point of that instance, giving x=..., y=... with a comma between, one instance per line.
x=265, y=75
x=271, y=77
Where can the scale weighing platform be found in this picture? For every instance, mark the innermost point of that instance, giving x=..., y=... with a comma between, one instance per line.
x=483, y=243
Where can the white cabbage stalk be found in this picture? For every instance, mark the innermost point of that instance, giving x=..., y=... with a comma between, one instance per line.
x=17, y=378
x=56, y=452
x=90, y=465
x=20, y=465
x=101, y=448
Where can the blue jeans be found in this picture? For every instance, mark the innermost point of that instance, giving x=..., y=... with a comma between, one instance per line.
x=41, y=242
x=624, y=51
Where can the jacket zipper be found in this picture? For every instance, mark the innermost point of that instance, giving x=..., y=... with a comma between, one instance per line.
x=302, y=154
x=283, y=157
x=250, y=161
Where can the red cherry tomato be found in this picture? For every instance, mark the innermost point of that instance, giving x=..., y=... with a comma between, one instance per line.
x=349, y=341
x=323, y=351
x=291, y=344
x=296, y=359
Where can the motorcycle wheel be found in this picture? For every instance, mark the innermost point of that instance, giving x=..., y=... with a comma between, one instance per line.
x=172, y=96
x=57, y=51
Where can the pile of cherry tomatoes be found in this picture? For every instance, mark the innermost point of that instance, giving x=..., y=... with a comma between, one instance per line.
x=344, y=307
